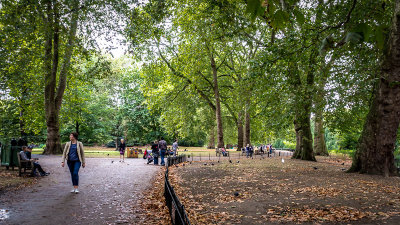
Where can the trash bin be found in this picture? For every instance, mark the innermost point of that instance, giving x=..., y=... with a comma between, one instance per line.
x=5, y=155
x=9, y=155
x=14, y=156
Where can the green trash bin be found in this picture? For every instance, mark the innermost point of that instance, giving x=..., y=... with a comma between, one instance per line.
x=14, y=156
x=9, y=156
x=5, y=155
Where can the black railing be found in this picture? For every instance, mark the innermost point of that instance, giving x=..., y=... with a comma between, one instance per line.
x=177, y=211
x=175, y=160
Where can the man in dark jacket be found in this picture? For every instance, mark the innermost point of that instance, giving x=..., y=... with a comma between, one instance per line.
x=154, y=151
x=162, y=146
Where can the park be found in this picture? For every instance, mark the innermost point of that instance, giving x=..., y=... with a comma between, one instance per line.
x=199, y=112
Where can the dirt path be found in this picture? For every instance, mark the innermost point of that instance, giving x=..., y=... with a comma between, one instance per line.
x=108, y=192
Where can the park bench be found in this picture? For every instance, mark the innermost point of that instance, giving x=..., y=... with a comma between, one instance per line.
x=257, y=152
x=24, y=165
x=397, y=163
x=218, y=152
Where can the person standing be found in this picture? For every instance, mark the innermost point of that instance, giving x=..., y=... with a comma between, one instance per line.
x=155, y=152
x=175, y=147
x=162, y=146
x=122, y=147
x=75, y=156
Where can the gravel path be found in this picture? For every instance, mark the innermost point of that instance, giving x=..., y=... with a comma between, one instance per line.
x=108, y=192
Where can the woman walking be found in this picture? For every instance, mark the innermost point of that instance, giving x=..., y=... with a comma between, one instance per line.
x=122, y=147
x=73, y=153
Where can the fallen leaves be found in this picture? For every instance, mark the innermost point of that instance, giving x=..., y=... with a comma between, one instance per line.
x=319, y=191
x=309, y=214
x=268, y=190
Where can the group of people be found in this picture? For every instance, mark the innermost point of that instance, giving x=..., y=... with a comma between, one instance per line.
x=263, y=149
x=266, y=148
x=159, y=149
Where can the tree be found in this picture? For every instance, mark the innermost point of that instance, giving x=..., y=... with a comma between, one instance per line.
x=374, y=153
x=53, y=26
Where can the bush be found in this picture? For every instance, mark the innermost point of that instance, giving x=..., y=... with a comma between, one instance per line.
x=111, y=144
x=289, y=145
x=189, y=143
x=278, y=144
x=349, y=152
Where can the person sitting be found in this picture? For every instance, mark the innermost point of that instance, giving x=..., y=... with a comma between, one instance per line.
x=223, y=151
x=36, y=165
x=247, y=151
x=261, y=149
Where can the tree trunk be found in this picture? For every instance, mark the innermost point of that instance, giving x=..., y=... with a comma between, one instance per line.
x=240, y=131
x=304, y=148
x=247, y=128
x=374, y=154
x=319, y=104
x=220, y=131
x=319, y=135
x=53, y=135
x=297, y=129
x=53, y=95
x=304, y=144
x=211, y=138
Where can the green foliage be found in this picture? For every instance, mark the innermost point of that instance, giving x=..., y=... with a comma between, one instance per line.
x=349, y=152
x=278, y=144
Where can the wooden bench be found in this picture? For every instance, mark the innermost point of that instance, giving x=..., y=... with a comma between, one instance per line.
x=24, y=164
x=218, y=152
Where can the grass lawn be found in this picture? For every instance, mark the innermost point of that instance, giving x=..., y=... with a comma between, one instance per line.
x=102, y=152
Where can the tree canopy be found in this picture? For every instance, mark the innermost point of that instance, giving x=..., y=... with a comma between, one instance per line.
x=309, y=75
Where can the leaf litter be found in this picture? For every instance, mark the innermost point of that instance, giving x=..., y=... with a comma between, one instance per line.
x=269, y=191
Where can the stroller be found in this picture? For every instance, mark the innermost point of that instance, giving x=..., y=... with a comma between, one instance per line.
x=149, y=156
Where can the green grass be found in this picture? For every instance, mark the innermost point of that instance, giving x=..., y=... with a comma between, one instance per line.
x=99, y=152
x=347, y=152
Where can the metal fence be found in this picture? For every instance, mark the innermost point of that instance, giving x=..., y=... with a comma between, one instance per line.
x=177, y=211
x=175, y=160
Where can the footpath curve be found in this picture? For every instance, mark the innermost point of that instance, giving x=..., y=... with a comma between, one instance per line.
x=109, y=192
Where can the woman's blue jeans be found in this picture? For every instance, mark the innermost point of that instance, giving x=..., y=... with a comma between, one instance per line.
x=74, y=169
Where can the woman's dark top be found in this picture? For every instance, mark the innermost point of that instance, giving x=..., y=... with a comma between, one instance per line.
x=154, y=148
x=122, y=146
x=73, y=153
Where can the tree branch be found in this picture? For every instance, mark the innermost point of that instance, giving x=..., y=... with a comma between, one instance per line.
x=340, y=24
x=176, y=73
x=67, y=56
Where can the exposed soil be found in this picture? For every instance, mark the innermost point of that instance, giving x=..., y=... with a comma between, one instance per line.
x=109, y=194
x=271, y=191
